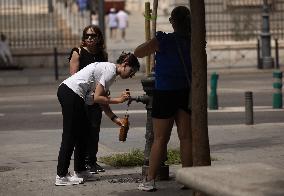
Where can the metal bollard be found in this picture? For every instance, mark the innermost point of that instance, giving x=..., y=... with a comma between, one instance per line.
x=249, y=107
x=213, y=98
x=277, y=85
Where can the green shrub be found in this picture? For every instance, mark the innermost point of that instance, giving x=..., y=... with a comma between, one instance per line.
x=136, y=158
x=173, y=157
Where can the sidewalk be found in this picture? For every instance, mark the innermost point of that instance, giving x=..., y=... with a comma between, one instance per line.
x=32, y=158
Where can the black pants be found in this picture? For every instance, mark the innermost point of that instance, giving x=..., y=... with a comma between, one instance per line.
x=94, y=114
x=75, y=126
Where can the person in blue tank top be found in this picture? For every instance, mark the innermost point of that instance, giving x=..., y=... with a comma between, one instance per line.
x=171, y=94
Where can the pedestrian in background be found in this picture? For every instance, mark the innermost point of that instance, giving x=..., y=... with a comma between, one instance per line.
x=87, y=86
x=5, y=52
x=122, y=18
x=82, y=5
x=92, y=50
x=94, y=18
x=172, y=85
x=112, y=23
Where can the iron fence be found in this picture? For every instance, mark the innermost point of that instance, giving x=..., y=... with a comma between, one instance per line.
x=59, y=23
x=240, y=20
x=42, y=23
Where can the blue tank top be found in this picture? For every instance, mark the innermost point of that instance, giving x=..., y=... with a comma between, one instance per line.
x=169, y=71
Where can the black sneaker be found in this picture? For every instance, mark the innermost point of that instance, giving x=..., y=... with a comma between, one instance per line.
x=93, y=169
x=98, y=168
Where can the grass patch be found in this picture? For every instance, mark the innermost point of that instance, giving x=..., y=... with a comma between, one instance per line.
x=136, y=158
x=173, y=157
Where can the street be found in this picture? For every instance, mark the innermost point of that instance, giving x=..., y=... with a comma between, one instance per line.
x=31, y=128
x=36, y=107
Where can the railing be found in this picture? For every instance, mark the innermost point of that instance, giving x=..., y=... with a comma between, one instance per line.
x=42, y=23
x=240, y=20
x=59, y=23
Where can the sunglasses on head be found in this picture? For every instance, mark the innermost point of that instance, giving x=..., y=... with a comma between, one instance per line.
x=92, y=36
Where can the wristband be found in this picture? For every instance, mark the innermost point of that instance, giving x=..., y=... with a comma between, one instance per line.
x=113, y=117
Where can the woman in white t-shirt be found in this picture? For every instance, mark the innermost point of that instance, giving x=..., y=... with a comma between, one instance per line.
x=89, y=85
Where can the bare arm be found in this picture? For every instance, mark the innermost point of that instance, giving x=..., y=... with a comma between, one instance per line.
x=74, y=63
x=147, y=48
x=101, y=98
x=107, y=110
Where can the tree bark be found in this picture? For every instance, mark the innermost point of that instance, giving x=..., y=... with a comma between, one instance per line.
x=200, y=139
x=201, y=149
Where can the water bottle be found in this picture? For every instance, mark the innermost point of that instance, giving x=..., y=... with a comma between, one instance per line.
x=124, y=129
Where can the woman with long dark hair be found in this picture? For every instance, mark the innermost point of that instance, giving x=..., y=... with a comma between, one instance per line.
x=92, y=49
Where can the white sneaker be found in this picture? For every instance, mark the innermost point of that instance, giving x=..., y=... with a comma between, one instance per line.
x=86, y=175
x=67, y=180
x=147, y=186
x=75, y=178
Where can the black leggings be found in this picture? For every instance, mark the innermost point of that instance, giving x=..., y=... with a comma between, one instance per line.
x=75, y=125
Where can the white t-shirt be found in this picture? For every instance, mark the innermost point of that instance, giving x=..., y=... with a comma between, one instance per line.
x=112, y=20
x=84, y=82
x=122, y=18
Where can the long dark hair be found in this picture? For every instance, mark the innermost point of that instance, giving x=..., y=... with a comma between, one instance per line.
x=100, y=43
x=181, y=20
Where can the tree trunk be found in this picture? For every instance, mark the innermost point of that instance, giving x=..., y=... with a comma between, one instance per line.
x=200, y=139
x=201, y=149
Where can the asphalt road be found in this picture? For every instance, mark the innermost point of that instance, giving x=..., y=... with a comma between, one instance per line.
x=36, y=107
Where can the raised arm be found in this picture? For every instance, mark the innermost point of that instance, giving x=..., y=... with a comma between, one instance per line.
x=147, y=48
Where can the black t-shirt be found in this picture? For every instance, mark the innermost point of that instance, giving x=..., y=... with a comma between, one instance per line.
x=87, y=58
